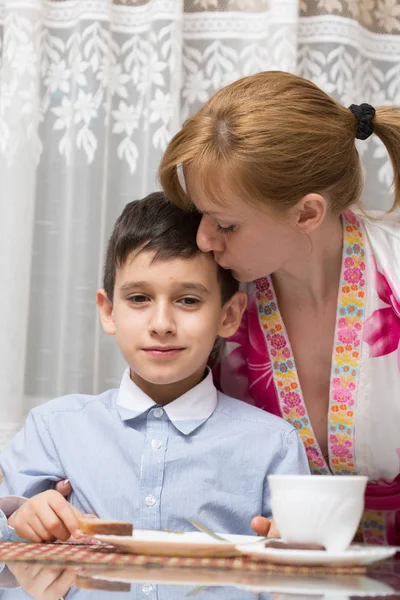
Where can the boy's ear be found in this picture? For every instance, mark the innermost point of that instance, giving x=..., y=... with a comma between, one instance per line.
x=106, y=312
x=232, y=312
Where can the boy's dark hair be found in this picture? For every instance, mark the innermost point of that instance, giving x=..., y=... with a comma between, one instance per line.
x=156, y=224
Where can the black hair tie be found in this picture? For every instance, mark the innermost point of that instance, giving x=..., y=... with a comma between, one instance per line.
x=364, y=113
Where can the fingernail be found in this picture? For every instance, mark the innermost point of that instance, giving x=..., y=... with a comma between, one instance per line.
x=66, y=481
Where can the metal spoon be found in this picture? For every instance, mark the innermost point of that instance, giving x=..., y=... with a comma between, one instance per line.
x=200, y=527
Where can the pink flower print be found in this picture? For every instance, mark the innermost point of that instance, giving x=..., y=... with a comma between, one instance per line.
x=286, y=352
x=262, y=284
x=351, y=217
x=336, y=382
x=245, y=371
x=348, y=262
x=300, y=411
x=347, y=336
x=343, y=322
x=311, y=452
x=382, y=328
x=340, y=450
x=341, y=395
x=357, y=326
x=278, y=341
x=352, y=275
x=292, y=399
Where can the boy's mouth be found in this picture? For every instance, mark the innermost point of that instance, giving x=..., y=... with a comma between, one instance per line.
x=163, y=351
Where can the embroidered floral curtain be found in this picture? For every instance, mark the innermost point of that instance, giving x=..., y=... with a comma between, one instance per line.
x=90, y=93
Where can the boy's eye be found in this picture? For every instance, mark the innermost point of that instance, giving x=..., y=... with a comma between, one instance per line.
x=228, y=229
x=189, y=301
x=138, y=299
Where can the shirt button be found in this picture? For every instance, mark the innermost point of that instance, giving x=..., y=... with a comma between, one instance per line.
x=150, y=500
x=158, y=412
x=147, y=588
x=155, y=444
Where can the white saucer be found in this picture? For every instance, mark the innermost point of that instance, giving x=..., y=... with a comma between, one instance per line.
x=355, y=555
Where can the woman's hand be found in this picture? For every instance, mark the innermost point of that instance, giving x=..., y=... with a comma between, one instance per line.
x=264, y=527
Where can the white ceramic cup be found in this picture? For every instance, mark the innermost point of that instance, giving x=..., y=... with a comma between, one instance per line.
x=318, y=509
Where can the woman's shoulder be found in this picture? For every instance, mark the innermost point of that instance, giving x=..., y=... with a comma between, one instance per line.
x=380, y=223
x=382, y=228
x=382, y=241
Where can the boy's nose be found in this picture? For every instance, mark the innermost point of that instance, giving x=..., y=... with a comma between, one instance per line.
x=162, y=321
x=207, y=237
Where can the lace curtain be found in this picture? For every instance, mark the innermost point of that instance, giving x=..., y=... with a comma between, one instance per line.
x=90, y=93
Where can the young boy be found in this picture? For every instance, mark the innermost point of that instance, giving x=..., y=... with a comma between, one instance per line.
x=165, y=447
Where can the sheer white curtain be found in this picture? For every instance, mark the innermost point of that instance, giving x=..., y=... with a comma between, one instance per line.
x=90, y=93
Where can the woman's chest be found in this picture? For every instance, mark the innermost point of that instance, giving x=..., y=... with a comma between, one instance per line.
x=311, y=338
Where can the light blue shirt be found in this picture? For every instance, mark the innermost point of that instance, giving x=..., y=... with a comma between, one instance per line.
x=204, y=456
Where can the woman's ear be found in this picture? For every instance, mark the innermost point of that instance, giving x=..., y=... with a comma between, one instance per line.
x=309, y=212
x=232, y=312
x=106, y=312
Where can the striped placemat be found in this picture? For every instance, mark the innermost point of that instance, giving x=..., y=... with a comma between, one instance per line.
x=79, y=554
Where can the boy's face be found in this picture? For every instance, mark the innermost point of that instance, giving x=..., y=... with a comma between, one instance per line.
x=166, y=316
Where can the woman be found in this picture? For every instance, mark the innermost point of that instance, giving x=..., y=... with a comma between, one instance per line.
x=271, y=163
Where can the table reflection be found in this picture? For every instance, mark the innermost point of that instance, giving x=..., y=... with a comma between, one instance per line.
x=21, y=580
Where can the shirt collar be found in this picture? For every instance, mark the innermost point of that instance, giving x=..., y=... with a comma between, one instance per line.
x=186, y=413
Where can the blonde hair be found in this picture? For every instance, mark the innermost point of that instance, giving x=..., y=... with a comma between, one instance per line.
x=276, y=137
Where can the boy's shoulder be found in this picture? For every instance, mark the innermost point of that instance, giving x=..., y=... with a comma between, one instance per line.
x=76, y=403
x=238, y=410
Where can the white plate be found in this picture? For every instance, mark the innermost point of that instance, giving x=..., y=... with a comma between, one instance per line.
x=355, y=555
x=188, y=544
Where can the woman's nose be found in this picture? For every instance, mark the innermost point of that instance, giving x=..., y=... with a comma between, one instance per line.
x=207, y=237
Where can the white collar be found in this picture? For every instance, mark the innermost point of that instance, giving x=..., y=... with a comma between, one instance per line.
x=186, y=412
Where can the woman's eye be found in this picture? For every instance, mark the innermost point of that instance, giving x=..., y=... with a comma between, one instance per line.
x=138, y=299
x=228, y=229
x=189, y=301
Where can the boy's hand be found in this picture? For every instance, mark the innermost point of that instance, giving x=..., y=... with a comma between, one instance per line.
x=43, y=582
x=64, y=487
x=264, y=527
x=45, y=517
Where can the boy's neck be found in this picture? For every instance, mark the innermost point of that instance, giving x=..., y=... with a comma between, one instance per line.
x=163, y=394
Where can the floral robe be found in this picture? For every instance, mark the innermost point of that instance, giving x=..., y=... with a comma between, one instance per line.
x=364, y=405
